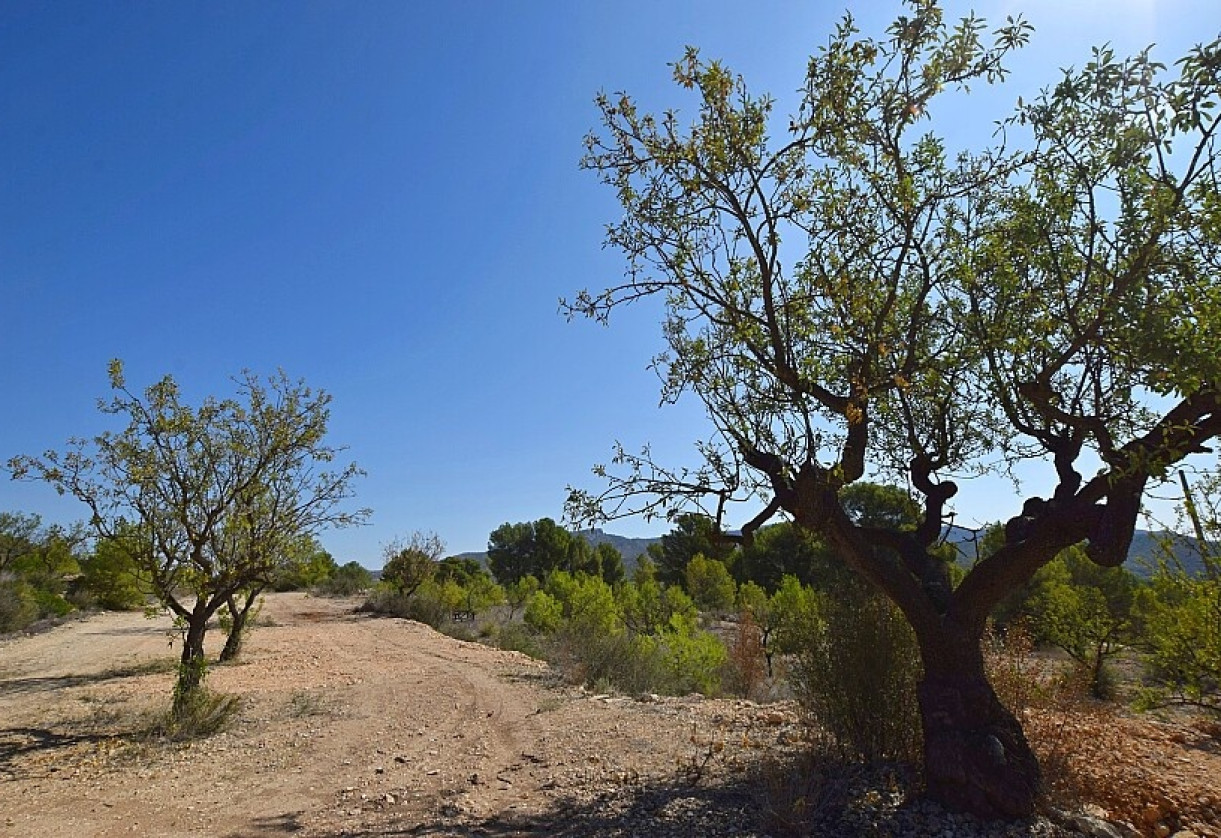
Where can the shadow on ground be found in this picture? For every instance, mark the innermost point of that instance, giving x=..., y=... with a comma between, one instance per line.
x=25, y=686
x=779, y=797
x=16, y=742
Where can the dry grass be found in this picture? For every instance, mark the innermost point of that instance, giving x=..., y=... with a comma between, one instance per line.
x=1090, y=757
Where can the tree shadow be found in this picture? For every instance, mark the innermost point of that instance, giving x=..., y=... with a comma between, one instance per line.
x=677, y=809
x=49, y=683
x=16, y=742
x=283, y=824
x=797, y=794
x=672, y=809
x=765, y=795
x=129, y=631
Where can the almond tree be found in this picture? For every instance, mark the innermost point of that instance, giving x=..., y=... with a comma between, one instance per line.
x=852, y=301
x=207, y=500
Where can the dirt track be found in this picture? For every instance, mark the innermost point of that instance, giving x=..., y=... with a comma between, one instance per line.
x=350, y=725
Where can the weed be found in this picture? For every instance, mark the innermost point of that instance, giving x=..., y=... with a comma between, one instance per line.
x=304, y=703
x=746, y=669
x=201, y=715
x=549, y=704
x=708, y=747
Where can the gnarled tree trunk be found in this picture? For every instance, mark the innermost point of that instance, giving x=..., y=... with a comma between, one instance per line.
x=976, y=757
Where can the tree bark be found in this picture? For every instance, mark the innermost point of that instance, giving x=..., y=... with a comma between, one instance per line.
x=193, y=663
x=237, y=629
x=976, y=757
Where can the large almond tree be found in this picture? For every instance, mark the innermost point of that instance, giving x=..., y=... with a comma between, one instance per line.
x=206, y=500
x=850, y=300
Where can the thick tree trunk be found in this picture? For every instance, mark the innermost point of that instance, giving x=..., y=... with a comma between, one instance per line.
x=976, y=757
x=192, y=665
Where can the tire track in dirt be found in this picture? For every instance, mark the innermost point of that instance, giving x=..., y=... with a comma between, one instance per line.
x=461, y=753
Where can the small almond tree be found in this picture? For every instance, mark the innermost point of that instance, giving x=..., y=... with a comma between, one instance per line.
x=206, y=499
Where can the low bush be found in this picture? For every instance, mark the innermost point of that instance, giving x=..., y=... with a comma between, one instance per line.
x=17, y=608
x=618, y=661
x=746, y=666
x=419, y=606
x=855, y=674
x=349, y=580
x=516, y=637
x=1182, y=618
x=617, y=638
x=203, y=715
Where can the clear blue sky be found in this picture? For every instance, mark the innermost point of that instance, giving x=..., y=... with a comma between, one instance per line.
x=383, y=198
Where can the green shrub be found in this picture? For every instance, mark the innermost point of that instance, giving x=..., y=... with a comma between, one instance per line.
x=109, y=575
x=1085, y=610
x=22, y=604
x=583, y=627
x=424, y=606
x=51, y=604
x=710, y=585
x=856, y=675
x=795, y=616
x=516, y=637
x=1182, y=622
x=349, y=580
x=695, y=660
x=203, y=714
x=617, y=660
x=17, y=608
x=519, y=592
x=544, y=613
x=647, y=606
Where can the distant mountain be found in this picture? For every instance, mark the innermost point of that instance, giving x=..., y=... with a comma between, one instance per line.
x=1147, y=550
x=630, y=548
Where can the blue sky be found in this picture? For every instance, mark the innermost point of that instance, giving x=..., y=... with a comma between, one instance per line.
x=383, y=198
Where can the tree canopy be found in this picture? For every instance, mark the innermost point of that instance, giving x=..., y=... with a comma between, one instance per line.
x=693, y=534
x=850, y=300
x=411, y=562
x=536, y=548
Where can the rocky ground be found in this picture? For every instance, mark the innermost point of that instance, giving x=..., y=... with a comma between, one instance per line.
x=358, y=726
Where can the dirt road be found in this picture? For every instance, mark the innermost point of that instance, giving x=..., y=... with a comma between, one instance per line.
x=349, y=725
